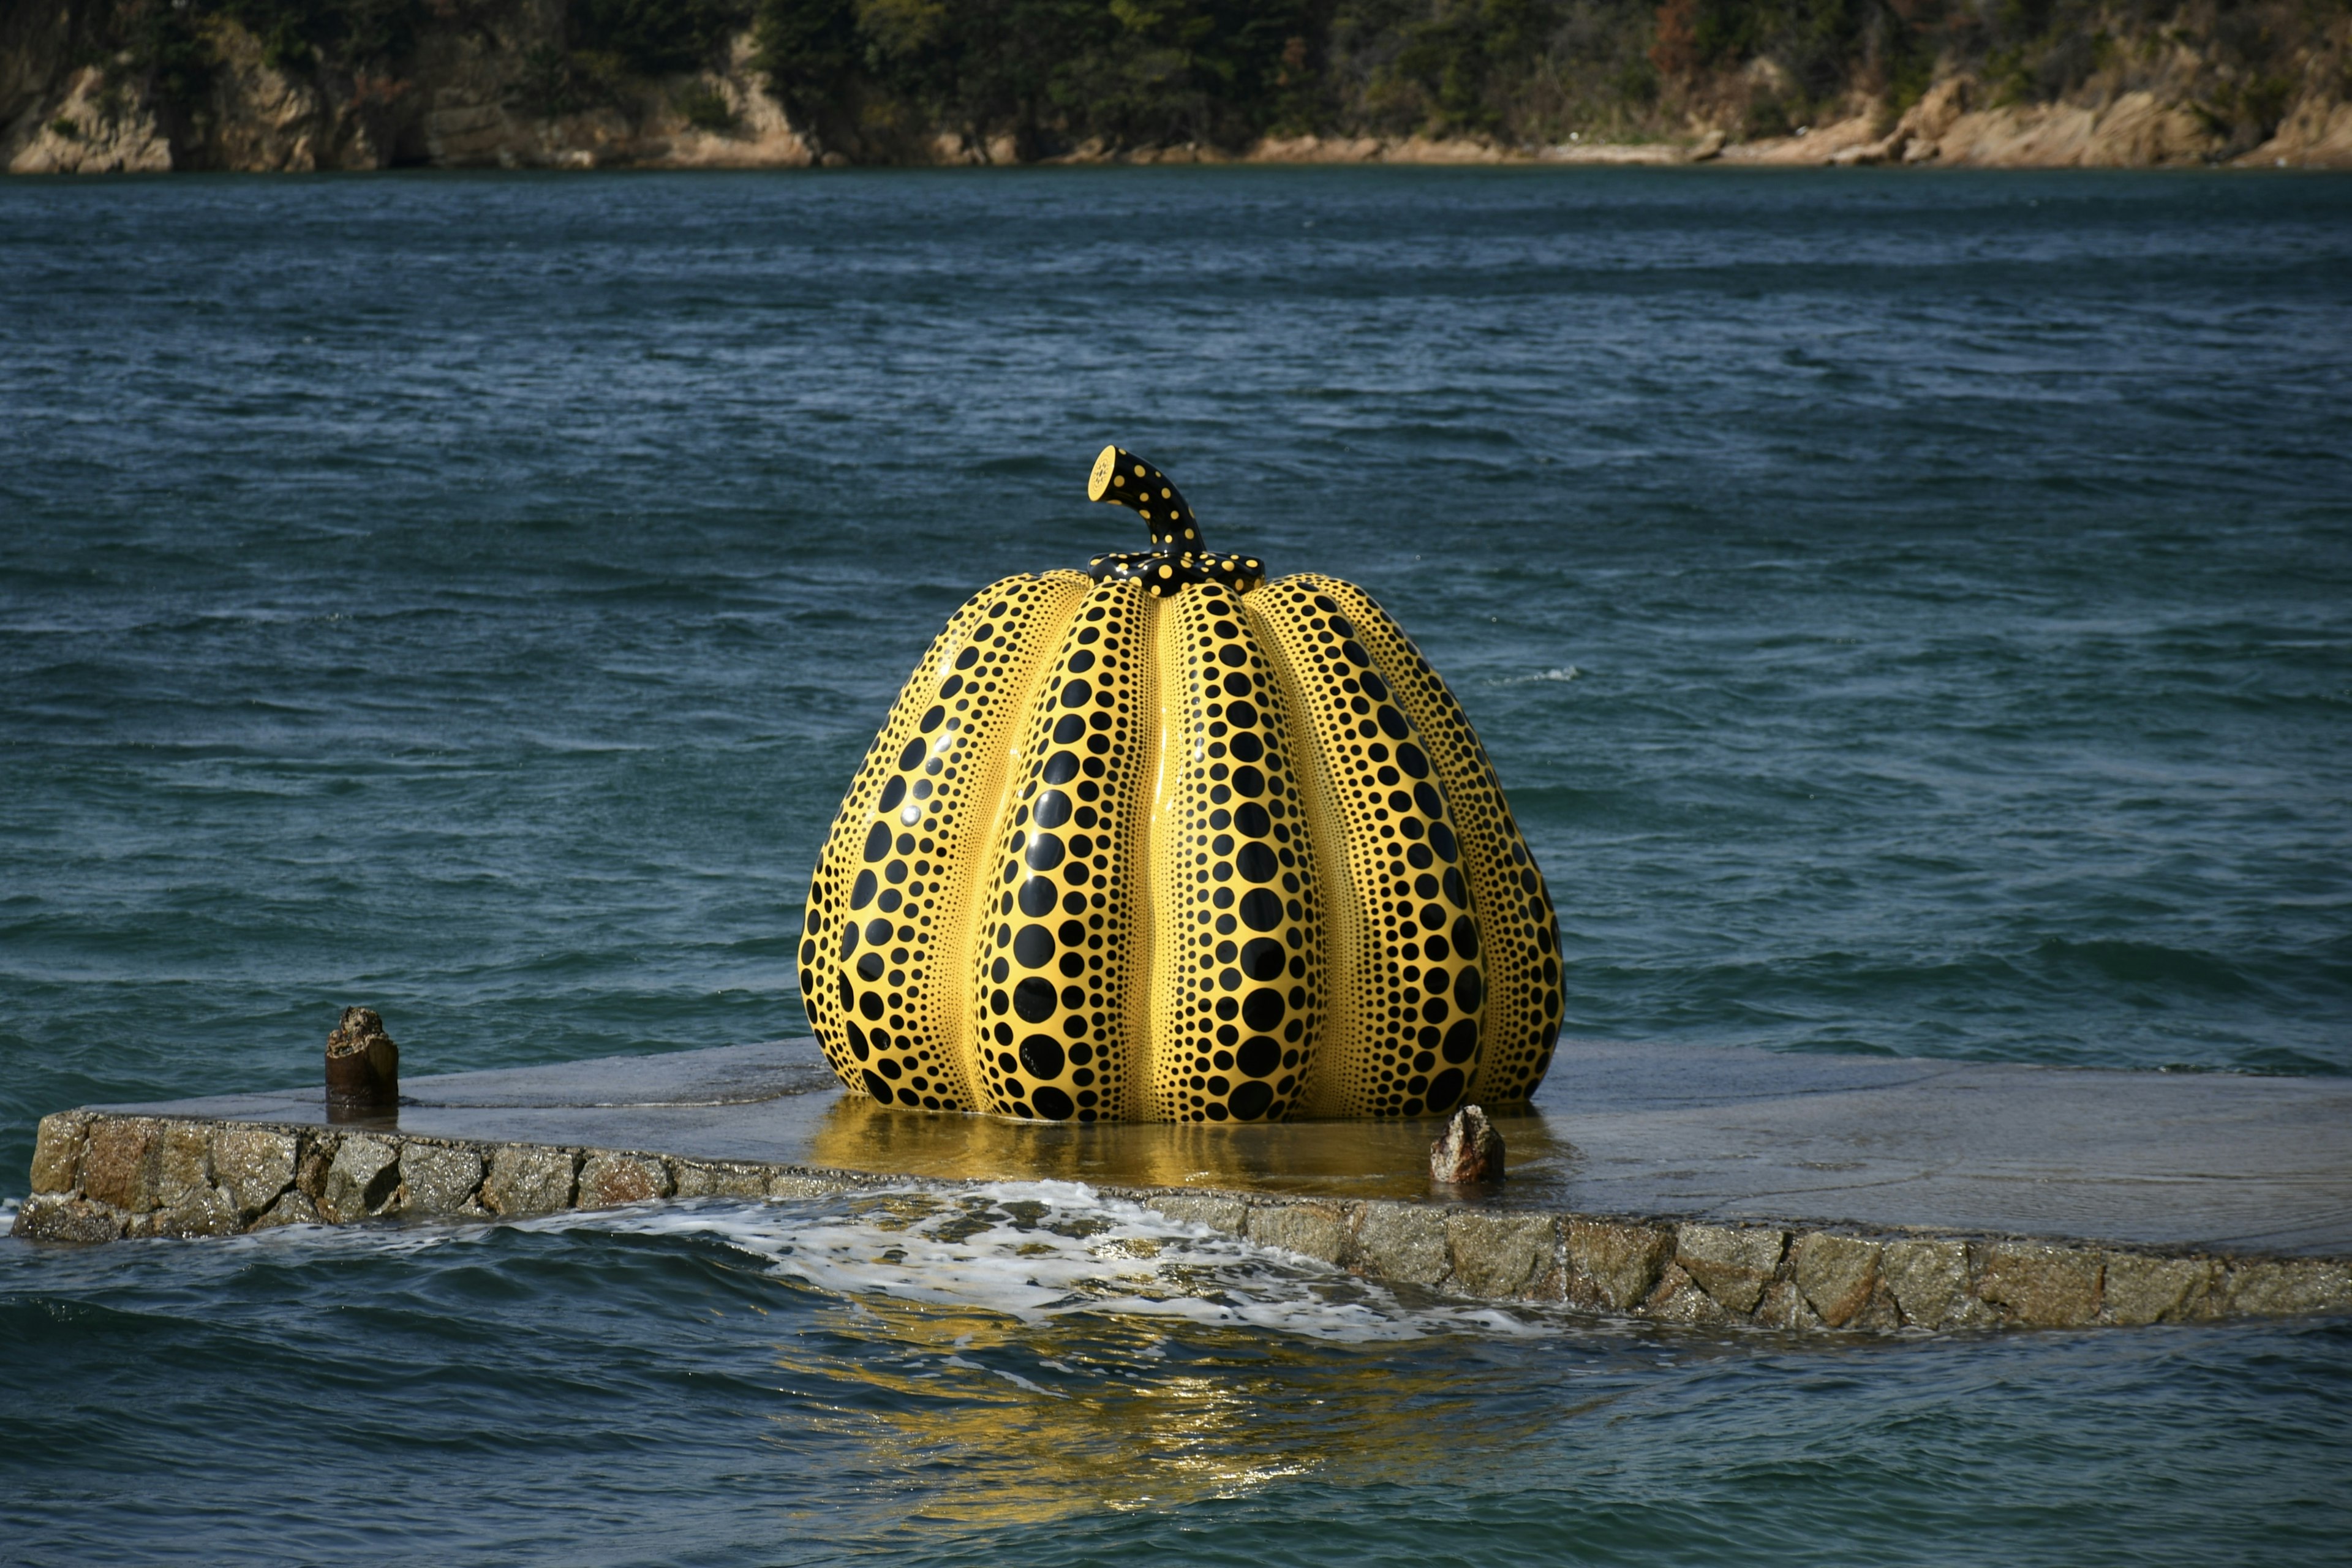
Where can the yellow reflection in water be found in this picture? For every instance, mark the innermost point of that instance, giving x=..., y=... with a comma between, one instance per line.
x=1124, y=1424
x=1350, y=1159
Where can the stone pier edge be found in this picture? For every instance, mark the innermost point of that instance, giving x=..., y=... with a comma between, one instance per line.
x=100, y=1176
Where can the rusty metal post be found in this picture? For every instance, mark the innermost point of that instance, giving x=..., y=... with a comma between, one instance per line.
x=363, y=1068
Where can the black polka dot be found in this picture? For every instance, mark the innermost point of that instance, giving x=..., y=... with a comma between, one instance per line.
x=1042, y=1056
x=1262, y=1010
x=1263, y=959
x=1033, y=947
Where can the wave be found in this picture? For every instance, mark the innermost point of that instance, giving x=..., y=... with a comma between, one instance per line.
x=1040, y=1250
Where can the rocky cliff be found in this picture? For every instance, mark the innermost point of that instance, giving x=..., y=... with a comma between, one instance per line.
x=103, y=85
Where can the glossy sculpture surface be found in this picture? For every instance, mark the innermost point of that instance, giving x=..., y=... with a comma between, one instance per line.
x=1162, y=840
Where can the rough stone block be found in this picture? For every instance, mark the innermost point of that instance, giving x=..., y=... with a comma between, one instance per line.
x=50, y=1216
x=1879, y=1314
x=315, y=1155
x=791, y=1187
x=1501, y=1254
x=252, y=1164
x=607, y=1181
x=1731, y=1266
x=1214, y=1210
x=1405, y=1242
x=1616, y=1264
x=1782, y=1306
x=1678, y=1298
x=440, y=1180
x=56, y=1150
x=116, y=1167
x=2267, y=1290
x=1928, y=1278
x=1837, y=1275
x=2143, y=1289
x=291, y=1208
x=692, y=1180
x=526, y=1180
x=2040, y=1285
x=199, y=1211
x=362, y=1180
x=1315, y=1230
x=184, y=1152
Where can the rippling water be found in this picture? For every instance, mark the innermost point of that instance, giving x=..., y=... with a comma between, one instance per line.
x=1909, y=612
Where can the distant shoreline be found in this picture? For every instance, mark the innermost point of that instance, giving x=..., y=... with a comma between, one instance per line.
x=95, y=86
x=2127, y=135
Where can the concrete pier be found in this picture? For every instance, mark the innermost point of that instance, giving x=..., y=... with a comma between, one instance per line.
x=1678, y=1184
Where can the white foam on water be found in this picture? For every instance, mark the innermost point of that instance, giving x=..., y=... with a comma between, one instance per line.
x=1037, y=1250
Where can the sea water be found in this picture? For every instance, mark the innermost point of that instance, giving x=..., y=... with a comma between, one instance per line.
x=1907, y=609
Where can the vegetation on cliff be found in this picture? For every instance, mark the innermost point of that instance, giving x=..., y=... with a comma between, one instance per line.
x=887, y=80
x=1057, y=73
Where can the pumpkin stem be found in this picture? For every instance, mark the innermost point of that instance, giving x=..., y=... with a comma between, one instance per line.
x=1177, y=558
x=1123, y=479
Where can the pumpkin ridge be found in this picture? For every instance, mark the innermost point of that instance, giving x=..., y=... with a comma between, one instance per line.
x=1518, y=931
x=1166, y=866
x=1028, y=644
x=894, y=884
x=1050, y=974
x=828, y=988
x=1237, y=979
x=1417, y=1004
x=1326, y=1092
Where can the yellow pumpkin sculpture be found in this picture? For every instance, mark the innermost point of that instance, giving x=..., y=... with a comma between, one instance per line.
x=1164, y=841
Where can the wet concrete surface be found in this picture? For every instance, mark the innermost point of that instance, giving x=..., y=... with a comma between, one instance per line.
x=2210, y=1163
